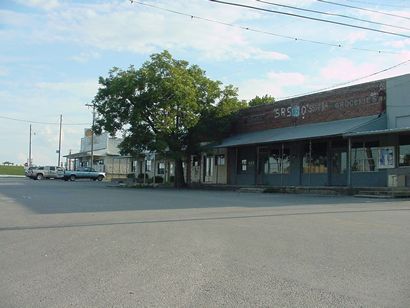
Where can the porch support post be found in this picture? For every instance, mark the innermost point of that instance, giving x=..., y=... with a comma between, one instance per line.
x=281, y=164
x=310, y=162
x=236, y=165
x=257, y=166
x=349, y=162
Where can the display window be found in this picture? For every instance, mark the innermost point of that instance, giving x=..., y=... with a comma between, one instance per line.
x=315, y=158
x=365, y=156
x=404, y=151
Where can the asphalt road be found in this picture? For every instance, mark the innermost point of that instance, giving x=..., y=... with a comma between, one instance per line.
x=84, y=244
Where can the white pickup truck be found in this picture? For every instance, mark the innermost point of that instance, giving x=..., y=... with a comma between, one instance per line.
x=45, y=172
x=83, y=173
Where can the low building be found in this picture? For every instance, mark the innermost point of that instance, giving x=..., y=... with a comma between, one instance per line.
x=209, y=167
x=106, y=156
x=357, y=136
x=153, y=166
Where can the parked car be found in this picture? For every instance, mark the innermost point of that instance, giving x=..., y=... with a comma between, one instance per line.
x=45, y=172
x=84, y=173
x=28, y=171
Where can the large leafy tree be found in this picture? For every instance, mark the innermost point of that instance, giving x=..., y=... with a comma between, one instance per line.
x=266, y=99
x=158, y=107
x=215, y=123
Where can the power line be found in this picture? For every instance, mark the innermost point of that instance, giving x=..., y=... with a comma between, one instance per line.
x=363, y=9
x=296, y=39
x=331, y=14
x=38, y=122
x=348, y=82
x=310, y=18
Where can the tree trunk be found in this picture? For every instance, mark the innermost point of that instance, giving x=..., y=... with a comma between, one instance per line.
x=179, y=174
x=188, y=169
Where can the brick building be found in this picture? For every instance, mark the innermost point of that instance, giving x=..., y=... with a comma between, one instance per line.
x=355, y=136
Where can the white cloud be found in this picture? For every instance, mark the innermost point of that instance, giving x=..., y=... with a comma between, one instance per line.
x=274, y=83
x=86, y=88
x=399, y=43
x=41, y=4
x=84, y=57
x=120, y=26
x=354, y=37
x=344, y=69
x=13, y=18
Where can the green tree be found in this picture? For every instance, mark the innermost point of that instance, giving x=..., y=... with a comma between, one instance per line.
x=266, y=99
x=215, y=123
x=158, y=107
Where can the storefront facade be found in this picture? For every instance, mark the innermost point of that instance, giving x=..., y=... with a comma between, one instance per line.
x=357, y=136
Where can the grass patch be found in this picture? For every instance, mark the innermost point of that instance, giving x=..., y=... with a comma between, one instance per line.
x=12, y=170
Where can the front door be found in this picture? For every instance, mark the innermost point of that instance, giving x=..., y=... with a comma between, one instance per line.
x=338, y=166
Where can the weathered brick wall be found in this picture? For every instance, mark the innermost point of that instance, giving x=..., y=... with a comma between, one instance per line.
x=355, y=101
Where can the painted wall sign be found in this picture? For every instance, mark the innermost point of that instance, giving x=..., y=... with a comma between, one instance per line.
x=311, y=108
x=344, y=103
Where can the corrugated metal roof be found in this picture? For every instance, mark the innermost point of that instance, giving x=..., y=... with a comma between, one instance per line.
x=379, y=132
x=307, y=131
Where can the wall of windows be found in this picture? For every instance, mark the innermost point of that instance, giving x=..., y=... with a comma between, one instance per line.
x=404, y=151
x=275, y=160
x=365, y=156
x=339, y=162
x=315, y=158
x=339, y=156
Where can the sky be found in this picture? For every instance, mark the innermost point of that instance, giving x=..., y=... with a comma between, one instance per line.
x=52, y=53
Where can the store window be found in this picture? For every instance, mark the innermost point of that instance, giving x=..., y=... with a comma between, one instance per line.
x=220, y=160
x=134, y=165
x=339, y=162
x=339, y=156
x=365, y=156
x=148, y=165
x=277, y=161
x=244, y=165
x=315, y=158
x=195, y=161
x=209, y=163
x=161, y=168
x=404, y=151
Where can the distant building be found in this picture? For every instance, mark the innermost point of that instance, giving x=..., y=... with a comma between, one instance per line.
x=106, y=156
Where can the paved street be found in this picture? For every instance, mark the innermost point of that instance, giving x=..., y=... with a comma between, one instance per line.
x=85, y=244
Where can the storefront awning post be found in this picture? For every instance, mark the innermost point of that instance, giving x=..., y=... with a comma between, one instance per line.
x=310, y=161
x=349, y=162
x=281, y=162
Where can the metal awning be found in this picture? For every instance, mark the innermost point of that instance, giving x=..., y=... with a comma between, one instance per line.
x=83, y=155
x=307, y=131
x=379, y=132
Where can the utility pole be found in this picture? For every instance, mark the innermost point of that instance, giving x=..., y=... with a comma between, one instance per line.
x=29, y=150
x=92, y=134
x=59, y=141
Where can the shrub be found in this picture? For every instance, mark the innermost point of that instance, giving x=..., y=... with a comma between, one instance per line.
x=159, y=179
x=131, y=176
x=140, y=178
x=172, y=179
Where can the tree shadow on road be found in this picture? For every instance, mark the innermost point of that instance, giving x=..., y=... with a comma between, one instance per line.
x=55, y=197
